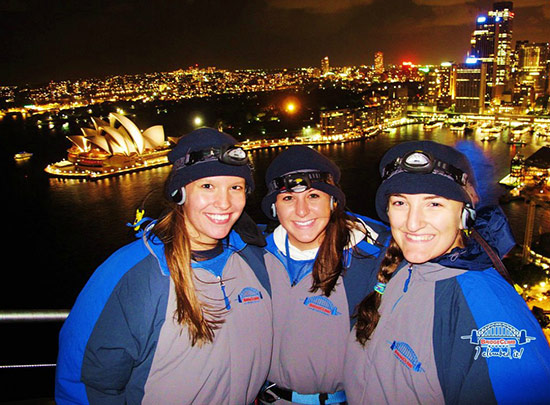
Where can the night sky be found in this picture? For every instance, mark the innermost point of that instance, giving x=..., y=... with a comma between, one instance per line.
x=44, y=40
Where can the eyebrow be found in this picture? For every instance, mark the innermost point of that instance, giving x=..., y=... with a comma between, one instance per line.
x=429, y=197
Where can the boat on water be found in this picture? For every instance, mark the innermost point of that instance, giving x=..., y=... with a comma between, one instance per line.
x=22, y=155
x=458, y=126
x=516, y=139
x=520, y=129
x=489, y=138
x=433, y=124
x=371, y=132
x=491, y=128
x=542, y=131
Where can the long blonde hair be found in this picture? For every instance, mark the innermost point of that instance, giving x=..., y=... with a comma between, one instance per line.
x=200, y=320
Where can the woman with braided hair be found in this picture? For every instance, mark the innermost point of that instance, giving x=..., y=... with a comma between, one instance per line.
x=443, y=324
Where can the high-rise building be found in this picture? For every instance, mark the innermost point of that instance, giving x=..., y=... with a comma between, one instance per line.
x=470, y=87
x=379, y=63
x=491, y=43
x=531, y=66
x=337, y=122
x=437, y=83
x=325, y=66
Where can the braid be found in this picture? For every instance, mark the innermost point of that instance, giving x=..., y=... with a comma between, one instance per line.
x=367, y=311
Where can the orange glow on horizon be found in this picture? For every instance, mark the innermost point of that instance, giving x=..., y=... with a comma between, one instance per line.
x=291, y=105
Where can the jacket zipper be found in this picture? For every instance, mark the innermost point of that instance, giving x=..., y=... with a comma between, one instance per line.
x=225, y=298
x=408, y=280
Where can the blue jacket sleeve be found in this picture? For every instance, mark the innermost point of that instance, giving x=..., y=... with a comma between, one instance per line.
x=110, y=320
x=124, y=339
x=488, y=346
x=112, y=350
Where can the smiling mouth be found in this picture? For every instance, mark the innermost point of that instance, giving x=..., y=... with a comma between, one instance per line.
x=419, y=238
x=304, y=223
x=218, y=218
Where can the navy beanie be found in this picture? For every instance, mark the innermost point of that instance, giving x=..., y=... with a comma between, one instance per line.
x=302, y=158
x=197, y=140
x=425, y=183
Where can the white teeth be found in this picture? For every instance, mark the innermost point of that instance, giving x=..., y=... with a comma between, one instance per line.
x=304, y=223
x=420, y=237
x=218, y=217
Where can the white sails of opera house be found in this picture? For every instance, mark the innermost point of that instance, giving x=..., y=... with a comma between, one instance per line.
x=111, y=147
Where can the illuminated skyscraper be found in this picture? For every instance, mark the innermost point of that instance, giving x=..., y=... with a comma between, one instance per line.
x=325, y=66
x=469, y=80
x=337, y=122
x=491, y=43
x=379, y=63
x=532, y=63
x=437, y=83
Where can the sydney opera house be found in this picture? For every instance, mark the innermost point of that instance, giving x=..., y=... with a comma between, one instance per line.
x=113, y=147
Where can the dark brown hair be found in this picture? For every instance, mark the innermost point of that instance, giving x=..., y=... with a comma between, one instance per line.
x=367, y=311
x=329, y=264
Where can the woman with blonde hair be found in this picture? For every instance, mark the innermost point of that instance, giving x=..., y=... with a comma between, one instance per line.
x=180, y=315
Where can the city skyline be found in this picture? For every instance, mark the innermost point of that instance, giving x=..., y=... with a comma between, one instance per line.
x=61, y=41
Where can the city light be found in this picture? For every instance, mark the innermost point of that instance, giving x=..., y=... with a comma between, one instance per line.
x=197, y=121
x=291, y=105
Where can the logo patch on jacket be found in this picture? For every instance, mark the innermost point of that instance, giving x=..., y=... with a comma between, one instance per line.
x=498, y=339
x=321, y=304
x=249, y=295
x=406, y=355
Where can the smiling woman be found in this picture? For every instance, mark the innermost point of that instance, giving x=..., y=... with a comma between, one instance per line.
x=425, y=226
x=321, y=262
x=180, y=304
x=442, y=325
x=213, y=204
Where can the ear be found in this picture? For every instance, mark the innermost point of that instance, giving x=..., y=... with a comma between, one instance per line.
x=333, y=203
x=179, y=196
x=468, y=217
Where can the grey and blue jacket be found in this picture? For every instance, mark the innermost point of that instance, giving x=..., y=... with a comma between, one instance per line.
x=121, y=344
x=311, y=329
x=452, y=331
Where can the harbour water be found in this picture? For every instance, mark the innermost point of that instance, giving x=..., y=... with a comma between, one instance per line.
x=59, y=231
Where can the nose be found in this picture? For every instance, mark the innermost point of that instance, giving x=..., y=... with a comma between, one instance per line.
x=223, y=199
x=415, y=218
x=302, y=207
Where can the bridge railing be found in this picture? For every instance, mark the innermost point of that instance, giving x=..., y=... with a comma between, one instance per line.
x=31, y=316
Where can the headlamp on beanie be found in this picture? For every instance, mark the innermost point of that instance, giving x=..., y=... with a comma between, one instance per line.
x=426, y=167
x=298, y=182
x=423, y=162
x=298, y=169
x=228, y=154
x=206, y=152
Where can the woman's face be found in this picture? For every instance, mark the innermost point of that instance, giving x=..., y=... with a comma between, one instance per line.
x=212, y=206
x=425, y=226
x=305, y=217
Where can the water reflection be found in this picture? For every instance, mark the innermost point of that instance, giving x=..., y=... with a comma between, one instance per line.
x=65, y=228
